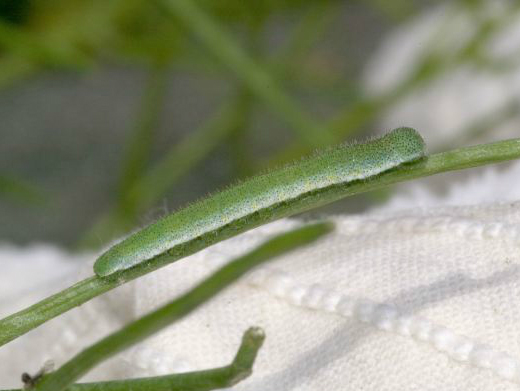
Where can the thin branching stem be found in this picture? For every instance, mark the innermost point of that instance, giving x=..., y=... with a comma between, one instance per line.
x=21, y=322
x=139, y=145
x=239, y=369
x=33, y=49
x=178, y=308
x=252, y=74
x=20, y=191
x=174, y=165
x=431, y=65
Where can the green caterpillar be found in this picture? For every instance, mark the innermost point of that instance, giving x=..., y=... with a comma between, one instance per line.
x=263, y=198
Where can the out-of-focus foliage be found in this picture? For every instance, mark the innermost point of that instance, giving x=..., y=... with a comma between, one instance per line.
x=18, y=191
x=14, y=11
x=284, y=64
x=135, y=30
x=253, y=13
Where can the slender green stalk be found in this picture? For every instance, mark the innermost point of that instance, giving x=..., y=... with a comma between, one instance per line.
x=182, y=157
x=21, y=192
x=29, y=318
x=354, y=117
x=15, y=68
x=175, y=310
x=237, y=141
x=140, y=142
x=176, y=163
x=239, y=369
x=255, y=77
x=344, y=126
x=291, y=63
x=309, y=30
x=31, y=48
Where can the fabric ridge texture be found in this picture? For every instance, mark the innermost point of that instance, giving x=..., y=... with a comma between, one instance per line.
x=334, y=314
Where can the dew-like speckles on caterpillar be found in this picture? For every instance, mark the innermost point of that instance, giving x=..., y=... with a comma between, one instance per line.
x=279, y=193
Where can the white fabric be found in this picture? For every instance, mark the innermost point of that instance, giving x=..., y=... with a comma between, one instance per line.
x=387, y=290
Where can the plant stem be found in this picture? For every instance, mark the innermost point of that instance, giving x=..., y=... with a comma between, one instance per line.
x=427, y=69
x=33, y=49
x=306, y=34
x=183, y=156
x=237, y=142
x=178, y=308
x=239, y=369
x=15, y=68
x=21, y=191
x=171, y=167
x=140, y=142
x=19, y=323
x=252, y=75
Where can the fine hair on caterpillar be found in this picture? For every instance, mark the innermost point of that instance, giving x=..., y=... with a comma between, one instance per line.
x=263, y=198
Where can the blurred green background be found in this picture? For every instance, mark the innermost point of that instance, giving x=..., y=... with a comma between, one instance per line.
x=115, y=112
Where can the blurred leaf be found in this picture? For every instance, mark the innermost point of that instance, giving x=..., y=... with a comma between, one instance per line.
x=14, y=69
x=21, y=192
x=221, y=44
x=308, y=31
x=78, y=34
x=144, y=35
x=32, y=49
x=77, y=28
x=172, y=166
x=396, y=9
x=131, y=29
x=14, y=11
x=184, y=155
x=253, y=12
x=139, y=145
x=238, y=143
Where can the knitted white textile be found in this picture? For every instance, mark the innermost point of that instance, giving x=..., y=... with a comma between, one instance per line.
x=417, y=299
